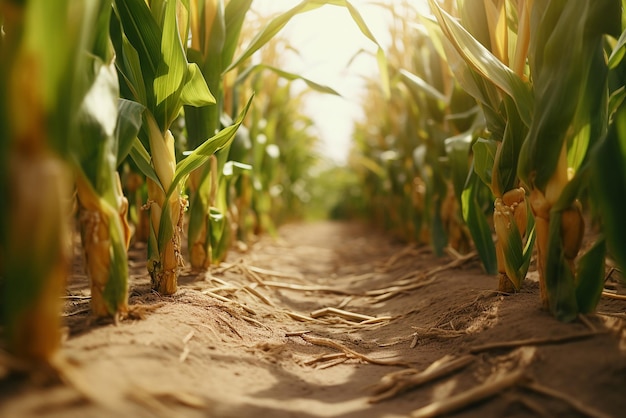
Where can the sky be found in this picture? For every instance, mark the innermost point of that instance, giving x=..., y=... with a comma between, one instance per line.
x=328, y=39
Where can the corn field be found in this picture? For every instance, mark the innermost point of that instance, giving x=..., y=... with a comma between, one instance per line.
x=495, y=126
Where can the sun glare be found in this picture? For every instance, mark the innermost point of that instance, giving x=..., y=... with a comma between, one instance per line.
x=331, y=50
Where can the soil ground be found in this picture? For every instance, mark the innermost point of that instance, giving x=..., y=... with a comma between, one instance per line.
x=254, y=338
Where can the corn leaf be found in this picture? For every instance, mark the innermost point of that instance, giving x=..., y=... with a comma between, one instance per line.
x=171, y=70
x=97, y=120
x=504, y=176
x=485, y=63
x=234, y=17
x=608, y=186
x=129, y=117
x=458, y=154
x=477, y=223
x=484, y=151
x=201, y=154
x=195, y=91
x=563, y=78
x=591, y=277
x=279, y=22
x=143, y=34
x=618, y=51
x=132, y=74
x=515, y=263
x=414, y=81
x=142, y=158
x=559, y=278
x=287, y=76
x=271, y=29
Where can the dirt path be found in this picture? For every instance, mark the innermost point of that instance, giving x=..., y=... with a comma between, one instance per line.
x=308, y=324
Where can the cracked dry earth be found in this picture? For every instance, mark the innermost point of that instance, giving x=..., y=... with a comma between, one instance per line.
x=332, y=320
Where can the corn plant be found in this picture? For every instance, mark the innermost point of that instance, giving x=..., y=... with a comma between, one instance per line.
x=570, y=83
x=416, y=153
x=150, y=46
x=606, y=162
x=477, y=49
x=559, y=100
x=107, y=126
x=42, y=85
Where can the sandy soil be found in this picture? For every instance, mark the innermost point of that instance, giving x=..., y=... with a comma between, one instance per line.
x=406, y=330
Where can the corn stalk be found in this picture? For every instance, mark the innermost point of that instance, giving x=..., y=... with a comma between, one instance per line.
x=478, y=52
x=154, y=72
x=106, y=129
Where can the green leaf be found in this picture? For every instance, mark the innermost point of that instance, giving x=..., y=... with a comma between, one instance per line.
x=618, y=51
x=286, y=75
x=566, y=59
x=591, y=277
x=484, y=156
x=608, y=186
x=478, y=225
x=196, y=92
x=171, y=71
x=96, y=123
x=412, y=80
x=143, y=33
x=129, y=117
x=458, y=153
x=234, y=169
x=504, y=174
x=513, y=253
x=201, y=154
x=142, y=158
x=485, y=63
x=559, y=278
x=131, y=70
x=234, y=17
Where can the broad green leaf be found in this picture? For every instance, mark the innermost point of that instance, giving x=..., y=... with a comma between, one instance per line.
x=131, y=71
x=477, y=223
x=171, y=71
x=129, y=117
x=115, y=293
x=143, y=33
x=97, y=121
x=484, y=156
x=196, y=92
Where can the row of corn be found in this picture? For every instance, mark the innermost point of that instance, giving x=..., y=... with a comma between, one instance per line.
x=136, y=119
x=504, y=130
